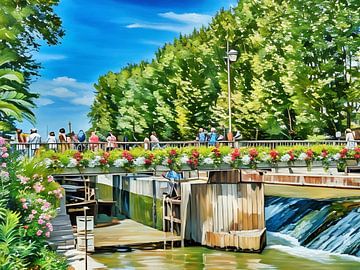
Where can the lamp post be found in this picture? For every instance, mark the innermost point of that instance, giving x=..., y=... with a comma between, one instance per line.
x=231, y=56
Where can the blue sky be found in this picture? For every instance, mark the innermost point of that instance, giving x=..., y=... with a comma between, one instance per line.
x=104, y=36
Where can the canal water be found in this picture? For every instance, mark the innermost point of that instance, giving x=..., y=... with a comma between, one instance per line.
x=282, y=252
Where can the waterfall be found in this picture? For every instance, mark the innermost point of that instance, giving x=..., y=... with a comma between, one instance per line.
x=328, y=225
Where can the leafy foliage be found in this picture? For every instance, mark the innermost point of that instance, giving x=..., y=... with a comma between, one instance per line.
x=23, y=26
x=297, y=74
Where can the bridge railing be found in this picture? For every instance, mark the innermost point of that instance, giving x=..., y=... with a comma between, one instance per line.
x=29, y=149
x=276, y=143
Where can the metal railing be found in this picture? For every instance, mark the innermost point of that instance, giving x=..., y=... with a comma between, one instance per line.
x=29, y=149
x=276, y=143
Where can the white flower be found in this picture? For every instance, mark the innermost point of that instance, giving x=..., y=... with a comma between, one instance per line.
x=227, y=159
x=285, y=158
x=47, y=162
x=184, y=159
x=303, y=156
x=139, y=161
x=266, y=158
x=120, y=162
x=246, y=160
x=336, y=156
x=208, y=161
x=73, y=163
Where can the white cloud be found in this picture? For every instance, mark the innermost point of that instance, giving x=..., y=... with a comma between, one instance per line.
x=184, y=22
x=61, y=92
x=86, y=100
x=162, y=27
x=64, y=79
x=188, y=18
x=66, y=89
x=44, y=57
x=43, y=101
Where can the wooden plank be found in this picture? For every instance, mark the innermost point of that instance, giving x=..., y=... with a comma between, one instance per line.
x=244, y=207
x=261, y=204
x=250, y=202
x=255, y=191
x=240, y=207
x=224, y=190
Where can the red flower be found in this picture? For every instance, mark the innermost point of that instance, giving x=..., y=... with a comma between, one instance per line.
x=148, y=161
x=106, y=155
x=127, y=156
x=169, y=161
x=78, y=156
x=216, y=152
x=26, y=227
x=173, y=152
x=253, y=153
x=195, y=154
x=291, y=154
x=103, y=161
x=324, y=153
x=343, y=153
x=235, y=154
x=309, y=154
x=274, y=154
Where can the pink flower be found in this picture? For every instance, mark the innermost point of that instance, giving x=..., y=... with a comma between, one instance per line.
x=22, y=200
x=50, y=178
x=2, y=141
x=40, y=221
x=5, y=155
x=3, y=149
x=49, y=226
x=3, y=165
x=31, y=216
x=25, y=206
x=33, y=211
x=23, y=179
x=47, y=234
x=45, y=206
x=38, y=187
x=39, y=200
x=39, y=232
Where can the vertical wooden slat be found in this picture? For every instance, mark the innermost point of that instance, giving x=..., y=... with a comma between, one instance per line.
x=255, y=191
x=249, y=206
x=240, y=207
x=244, y=207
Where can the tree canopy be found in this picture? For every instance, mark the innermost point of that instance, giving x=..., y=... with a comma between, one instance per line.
x=24, y=25
x=297, y=74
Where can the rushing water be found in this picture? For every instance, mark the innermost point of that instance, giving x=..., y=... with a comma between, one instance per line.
x=302, y=234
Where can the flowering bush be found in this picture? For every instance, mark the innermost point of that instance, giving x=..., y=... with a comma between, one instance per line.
x=29, y=196
x=195, y=158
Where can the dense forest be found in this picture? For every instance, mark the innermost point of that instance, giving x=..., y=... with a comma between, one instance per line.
x=297, y=74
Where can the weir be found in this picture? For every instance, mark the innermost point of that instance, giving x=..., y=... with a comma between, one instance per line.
x=219, y=209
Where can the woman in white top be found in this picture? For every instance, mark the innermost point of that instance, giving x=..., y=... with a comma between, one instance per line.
x=51, y=140
x=111, y=141
x=350, y=139
x=154, y=141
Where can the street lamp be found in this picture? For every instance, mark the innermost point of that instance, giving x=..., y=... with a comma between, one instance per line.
x=231, y=56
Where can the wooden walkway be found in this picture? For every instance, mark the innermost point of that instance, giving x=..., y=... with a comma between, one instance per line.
x=314, y=180
x=130, y=233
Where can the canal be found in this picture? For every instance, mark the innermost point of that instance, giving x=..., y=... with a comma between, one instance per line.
x=281, y=252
